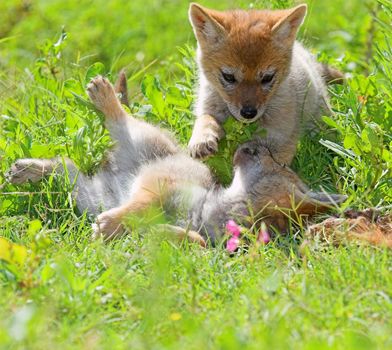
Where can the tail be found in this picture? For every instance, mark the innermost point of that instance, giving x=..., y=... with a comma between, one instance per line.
x=121, y=88
x=331, y=75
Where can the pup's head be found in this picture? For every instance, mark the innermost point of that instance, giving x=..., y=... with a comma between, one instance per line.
x=274, y=190
x=245, y=55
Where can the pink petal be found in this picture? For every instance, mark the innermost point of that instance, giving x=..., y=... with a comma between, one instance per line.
x=264, y=236
x=233, y=228
x=232, y=244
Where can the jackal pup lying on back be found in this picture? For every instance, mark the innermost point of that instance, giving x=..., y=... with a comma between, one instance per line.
x=252, y=68
x=148, y=167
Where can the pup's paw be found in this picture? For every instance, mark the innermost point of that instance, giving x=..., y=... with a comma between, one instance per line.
x=103, y=96
x=108, y=225
x=201, y=148
x=24, y=170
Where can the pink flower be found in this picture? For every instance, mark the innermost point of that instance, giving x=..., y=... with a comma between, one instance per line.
x=264, y=236
x=233, y=228
x=234, y=231
x=232, y=244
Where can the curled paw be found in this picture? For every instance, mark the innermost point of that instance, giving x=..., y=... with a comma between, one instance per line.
x=102, y=94
x=108, y=225
x=203, y=148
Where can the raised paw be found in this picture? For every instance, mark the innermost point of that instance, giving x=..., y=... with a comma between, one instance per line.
x=24, y=170
x=203, y=148
x=103, y=96
x=108, y=225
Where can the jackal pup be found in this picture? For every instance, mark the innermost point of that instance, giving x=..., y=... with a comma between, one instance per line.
x=148, y=167
x=252, y=68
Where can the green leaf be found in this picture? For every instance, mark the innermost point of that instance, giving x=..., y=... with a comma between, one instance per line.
x=350, y=142
x=236, y=134
x=5, y=204
x=42, y=151
x=370, y=136
x=330, y=122
x=34, y=227
x=175, y=97
x=152, y=91
x=386, y=156
x=84, y=102
x=95, y=69
x=11, y=252
x=338, y=149
x=47, y=272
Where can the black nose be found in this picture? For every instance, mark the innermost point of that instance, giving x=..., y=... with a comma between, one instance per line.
x=248, y=112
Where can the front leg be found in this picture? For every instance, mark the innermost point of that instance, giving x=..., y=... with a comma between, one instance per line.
x=206, y=134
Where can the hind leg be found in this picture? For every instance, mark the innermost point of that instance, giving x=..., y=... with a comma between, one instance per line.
x=34, y=170
x=133, y=137
x=102, y=94
x=24, y=170
x=183, y=234
x=109, y=224
x=149, y=188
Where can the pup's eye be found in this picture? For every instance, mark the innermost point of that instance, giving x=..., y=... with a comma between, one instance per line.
x=249, y=150
x=267, y=78
x=228, y=77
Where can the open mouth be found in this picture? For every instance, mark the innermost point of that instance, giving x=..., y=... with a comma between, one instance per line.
x=246, y=120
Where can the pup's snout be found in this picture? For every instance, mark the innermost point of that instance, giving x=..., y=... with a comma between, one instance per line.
x=248, y=112
x=245, y=153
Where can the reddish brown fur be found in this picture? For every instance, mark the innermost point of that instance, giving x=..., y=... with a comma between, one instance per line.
x=284, y=195
x=250, y=47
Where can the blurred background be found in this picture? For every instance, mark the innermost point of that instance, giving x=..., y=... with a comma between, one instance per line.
x=135, y=33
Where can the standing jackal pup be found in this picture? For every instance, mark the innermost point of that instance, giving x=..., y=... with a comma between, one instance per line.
x=148, y=168
x=251, y=68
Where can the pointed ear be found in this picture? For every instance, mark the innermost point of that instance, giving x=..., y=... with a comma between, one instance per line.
x=316, y=202
x=206, y=28
x=286, y=28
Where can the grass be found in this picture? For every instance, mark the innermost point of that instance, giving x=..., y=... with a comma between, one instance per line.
x=61, y=290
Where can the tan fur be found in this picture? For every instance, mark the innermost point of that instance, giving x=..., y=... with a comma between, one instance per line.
x=251, y=45
x=152, y=189
x=106, y=101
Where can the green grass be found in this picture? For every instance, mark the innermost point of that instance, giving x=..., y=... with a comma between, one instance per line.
x=59, y=289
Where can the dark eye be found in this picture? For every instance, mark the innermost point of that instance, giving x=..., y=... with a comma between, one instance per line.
x=250, y=150
x=267, y=78
x=229, y=77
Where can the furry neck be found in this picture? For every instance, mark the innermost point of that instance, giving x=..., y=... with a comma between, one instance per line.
x=237, y=189
x=212, y=211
